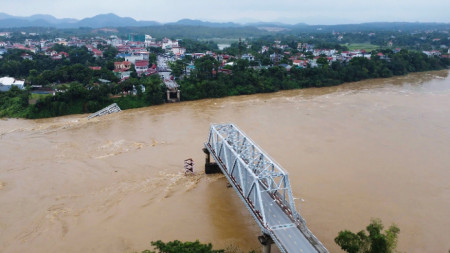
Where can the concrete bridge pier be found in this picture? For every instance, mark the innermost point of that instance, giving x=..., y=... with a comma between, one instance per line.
x=173, y=95
x=210, y=167
x=266, y=242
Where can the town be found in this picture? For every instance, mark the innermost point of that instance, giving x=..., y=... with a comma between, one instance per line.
x=120, y=64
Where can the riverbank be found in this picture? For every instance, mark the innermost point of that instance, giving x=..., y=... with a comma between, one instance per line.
x=204, y=83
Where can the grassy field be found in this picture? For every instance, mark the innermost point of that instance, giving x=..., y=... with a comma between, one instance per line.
x=365, y=46
x=35, y=97
x=38, y=96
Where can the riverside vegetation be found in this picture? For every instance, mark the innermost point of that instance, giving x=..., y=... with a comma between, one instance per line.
x=204, y=83
x=374, y=242
x=81, y=92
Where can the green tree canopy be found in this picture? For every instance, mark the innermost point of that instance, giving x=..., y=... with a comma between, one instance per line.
x=374, y=242
x=182, y=247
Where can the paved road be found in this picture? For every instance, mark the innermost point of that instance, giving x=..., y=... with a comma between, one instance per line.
x=162, y=63
x=291, y=237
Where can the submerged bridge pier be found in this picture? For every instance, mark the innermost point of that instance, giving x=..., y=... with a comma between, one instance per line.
x=210, y=167
x=266, y=242
x=264, y=188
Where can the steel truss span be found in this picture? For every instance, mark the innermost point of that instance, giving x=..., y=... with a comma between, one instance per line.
x=264, y=188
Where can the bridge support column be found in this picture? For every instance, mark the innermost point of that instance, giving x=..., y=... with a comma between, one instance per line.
x=266, y=242
x=210, y=168
x=173, y=95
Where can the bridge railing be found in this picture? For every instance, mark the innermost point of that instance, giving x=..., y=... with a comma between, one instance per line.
x=252, y=170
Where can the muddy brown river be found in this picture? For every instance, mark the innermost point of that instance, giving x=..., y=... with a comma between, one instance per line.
x=371, y=149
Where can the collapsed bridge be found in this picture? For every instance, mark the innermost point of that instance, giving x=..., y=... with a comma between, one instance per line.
x=264, y=188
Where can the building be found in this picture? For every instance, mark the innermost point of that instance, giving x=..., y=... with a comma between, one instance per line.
x=136, y=37
x=300, y=63
x=122, y=65
x=134, y=57
x=178, y=50
x=248, y=57
x=122, y=75
x=97, y=53
x=144, y=54
x=26, y=56
x=7, y=82
x=168, y=43
x=149, y=41
x=264, y=49
x=59, y=56
x=141, y=67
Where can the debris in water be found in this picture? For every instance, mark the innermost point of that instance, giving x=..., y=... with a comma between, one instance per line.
x=188, y=166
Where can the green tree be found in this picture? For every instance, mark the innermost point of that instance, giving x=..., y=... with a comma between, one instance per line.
x=133, y=73
x=204, y=67
x=322, y=61
x=374, y=242
x=154, y=90
x=177, y=68
x=182, y=247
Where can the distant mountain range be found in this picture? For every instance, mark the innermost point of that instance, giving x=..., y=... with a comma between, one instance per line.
x=99, y=21
x=112, y=20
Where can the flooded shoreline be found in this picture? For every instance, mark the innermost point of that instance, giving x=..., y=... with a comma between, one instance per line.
x=372, y=149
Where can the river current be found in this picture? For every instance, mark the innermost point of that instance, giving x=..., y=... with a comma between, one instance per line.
x=371, y=149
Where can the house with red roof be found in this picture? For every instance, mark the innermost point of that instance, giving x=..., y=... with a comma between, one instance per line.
x=141, y=67
x=58, y=56
x=300, y=63
x=26, y=56
x=97, y=53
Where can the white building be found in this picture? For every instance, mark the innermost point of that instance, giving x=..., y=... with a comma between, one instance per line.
x=7, y=82
x=133, y=58
x=149, y=40
x=248, y=57
x=178, y=50
x=168, y=43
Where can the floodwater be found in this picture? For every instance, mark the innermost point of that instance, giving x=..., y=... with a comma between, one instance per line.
x=372, y=149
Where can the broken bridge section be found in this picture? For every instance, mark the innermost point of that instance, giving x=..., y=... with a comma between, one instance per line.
x=264, y=188
x=107, y=110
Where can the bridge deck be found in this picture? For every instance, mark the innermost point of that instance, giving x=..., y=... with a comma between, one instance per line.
x=288, y=234
x=268, y=199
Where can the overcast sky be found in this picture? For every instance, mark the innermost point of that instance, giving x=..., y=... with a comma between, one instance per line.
x=286, y=11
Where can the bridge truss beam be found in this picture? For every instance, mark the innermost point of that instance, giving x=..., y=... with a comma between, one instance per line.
x=260, y=182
